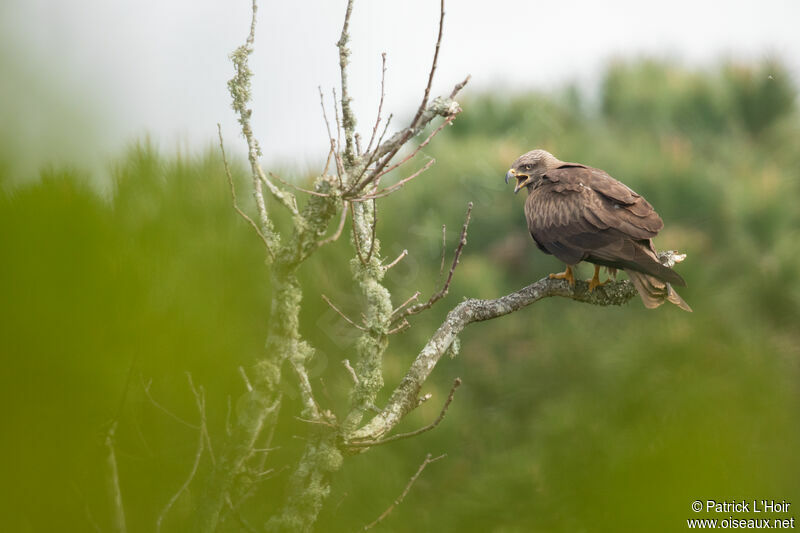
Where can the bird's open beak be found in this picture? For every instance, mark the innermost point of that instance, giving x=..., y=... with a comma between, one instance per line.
x=522, y=179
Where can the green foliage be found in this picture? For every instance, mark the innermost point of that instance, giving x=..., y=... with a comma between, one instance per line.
x=570, y=417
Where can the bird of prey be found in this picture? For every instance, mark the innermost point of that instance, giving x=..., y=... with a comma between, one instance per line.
x=579, y=213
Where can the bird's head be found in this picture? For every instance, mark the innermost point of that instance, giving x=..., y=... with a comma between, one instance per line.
x=529, y=168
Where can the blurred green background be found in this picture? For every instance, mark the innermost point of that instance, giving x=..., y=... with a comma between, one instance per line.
x=570, y=417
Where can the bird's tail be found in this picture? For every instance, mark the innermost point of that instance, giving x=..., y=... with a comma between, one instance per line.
x=654, y=291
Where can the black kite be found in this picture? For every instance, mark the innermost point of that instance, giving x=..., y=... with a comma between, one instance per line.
x=578, y=213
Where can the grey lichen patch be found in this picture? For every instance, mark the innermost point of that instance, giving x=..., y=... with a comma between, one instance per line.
x=329, y=457
x=454, y=348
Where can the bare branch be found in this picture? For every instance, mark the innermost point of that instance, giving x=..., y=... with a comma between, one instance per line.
x=306, y=392
x=433, y=69
x=338, y=121
x=362, y=328
x=404, y=304
x=377, y=174
x=233, y=195
x=444, y=246
x=440, y=107
x=112, y=482
x=246, y=380
x=201, y=404
x=404, y=325
x=380, y=104
x=200, y=401
x=399, y=258
x=372, y=155
x=351, y=371
x=374, y=229
x=339, y=229
x=456, y=384
x=146, y=387
x=397, y=186
x=356, y=240
x=428, y=460
x=295, y=187
x=325, y=115
x=459, y=86
x=446, y=287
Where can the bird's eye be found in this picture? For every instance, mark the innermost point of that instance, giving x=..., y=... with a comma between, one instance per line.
x=528, y=167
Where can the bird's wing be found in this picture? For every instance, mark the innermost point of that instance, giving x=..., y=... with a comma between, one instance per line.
x=579, y=213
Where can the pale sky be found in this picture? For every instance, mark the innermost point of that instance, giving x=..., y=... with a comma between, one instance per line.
x=160, y=66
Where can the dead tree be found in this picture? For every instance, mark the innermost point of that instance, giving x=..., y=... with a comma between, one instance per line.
x=348, y=189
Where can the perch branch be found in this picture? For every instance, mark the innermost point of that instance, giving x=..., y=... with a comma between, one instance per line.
x=404, y=397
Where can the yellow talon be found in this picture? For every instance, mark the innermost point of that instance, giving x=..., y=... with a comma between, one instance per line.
x=567, y=275
x=595, y=281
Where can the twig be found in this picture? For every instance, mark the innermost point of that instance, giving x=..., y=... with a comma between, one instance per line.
x=237, y=513
x=356, y=240
x=433, y=69
x=246, y=380
x=358, y=144
x=233, y=194
x=374, y=229
x=362, y=328
x=377, y=175
x=228, y=417
x=428, y=460
x=339, y=229
x=200, y=398
x=393, y=188
x=404, y=325
x=459, y=86
x=456, y=384
x=355, y=187
x=292, y=185
x=319, y=422
x=380, y=104
x=338, y=121
x=324, y=114
x=444, y=246
x=306, y=392
x=399, y=258
x=404, y=304
x=446, y=287
x=112, y=482
x=86, y=509
x=351, y=371
x=166, y=411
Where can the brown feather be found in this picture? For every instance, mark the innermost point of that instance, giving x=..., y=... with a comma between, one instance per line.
x=578, y=213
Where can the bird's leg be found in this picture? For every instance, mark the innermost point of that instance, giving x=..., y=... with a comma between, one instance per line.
x=567, y=275
x=595, y=281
